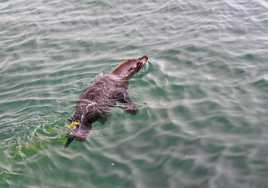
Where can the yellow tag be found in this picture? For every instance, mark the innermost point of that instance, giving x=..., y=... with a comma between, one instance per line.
x=73, y=124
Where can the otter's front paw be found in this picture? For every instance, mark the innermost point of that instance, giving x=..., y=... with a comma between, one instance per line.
x=131, y=108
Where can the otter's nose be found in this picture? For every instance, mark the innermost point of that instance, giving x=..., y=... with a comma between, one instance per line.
x=144, y=59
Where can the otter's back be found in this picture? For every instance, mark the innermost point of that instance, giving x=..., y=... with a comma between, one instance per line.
x=100, y=96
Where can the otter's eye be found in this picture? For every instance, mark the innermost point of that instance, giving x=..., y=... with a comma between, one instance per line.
x=131, y=68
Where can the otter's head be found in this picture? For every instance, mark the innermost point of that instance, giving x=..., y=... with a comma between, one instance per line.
x=129, y=67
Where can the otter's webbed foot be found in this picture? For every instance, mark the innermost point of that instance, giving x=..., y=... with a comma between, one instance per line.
x=129, y=107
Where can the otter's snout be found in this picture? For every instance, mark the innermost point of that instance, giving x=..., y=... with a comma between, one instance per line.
x=144, y=59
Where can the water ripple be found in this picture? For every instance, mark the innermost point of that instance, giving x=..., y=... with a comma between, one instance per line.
x=202, y=99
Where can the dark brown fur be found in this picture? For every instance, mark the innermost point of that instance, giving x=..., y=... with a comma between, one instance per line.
x=96, y=101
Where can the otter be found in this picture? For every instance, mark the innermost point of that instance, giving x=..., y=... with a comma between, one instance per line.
x=103, y=94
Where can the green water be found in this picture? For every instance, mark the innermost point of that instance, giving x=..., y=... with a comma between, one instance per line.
x=202, y=120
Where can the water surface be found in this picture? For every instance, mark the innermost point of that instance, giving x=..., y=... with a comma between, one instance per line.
x=203, y=100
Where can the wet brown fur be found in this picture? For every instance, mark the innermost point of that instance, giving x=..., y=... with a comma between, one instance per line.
x=96, y=101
